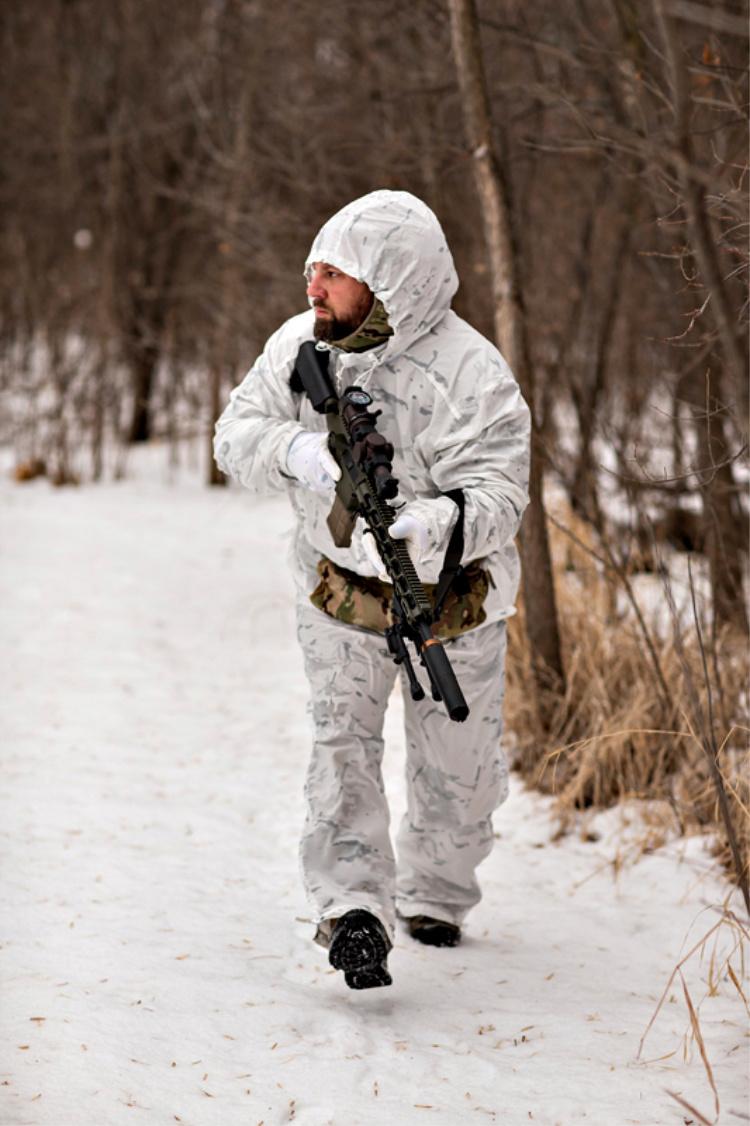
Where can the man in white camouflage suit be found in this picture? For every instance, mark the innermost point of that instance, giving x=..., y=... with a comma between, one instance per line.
x=380, y=283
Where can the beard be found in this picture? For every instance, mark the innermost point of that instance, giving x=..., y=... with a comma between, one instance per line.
x=338, y=328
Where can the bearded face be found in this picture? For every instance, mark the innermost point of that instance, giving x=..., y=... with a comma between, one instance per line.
x=341, y=303
x=339, y=327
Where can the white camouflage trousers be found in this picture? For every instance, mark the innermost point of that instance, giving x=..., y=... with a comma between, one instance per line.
x=456, y=775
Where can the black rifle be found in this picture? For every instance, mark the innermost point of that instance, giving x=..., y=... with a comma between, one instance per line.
x=366, y=484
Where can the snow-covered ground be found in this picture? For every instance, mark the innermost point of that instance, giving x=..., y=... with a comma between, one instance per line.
x=156, y=957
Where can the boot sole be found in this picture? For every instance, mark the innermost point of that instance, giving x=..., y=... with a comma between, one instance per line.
x=370, y=978
x=359, y=946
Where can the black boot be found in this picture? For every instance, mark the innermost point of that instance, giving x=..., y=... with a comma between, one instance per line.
x=434, y=932
x=359, y=946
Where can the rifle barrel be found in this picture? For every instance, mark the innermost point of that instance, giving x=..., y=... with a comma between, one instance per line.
x=442, y=675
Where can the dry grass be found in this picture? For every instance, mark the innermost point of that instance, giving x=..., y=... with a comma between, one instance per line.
x=647, y=714
x=708, y=954
x=628, y=726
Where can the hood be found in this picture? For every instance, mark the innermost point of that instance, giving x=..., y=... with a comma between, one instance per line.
x=394, y=243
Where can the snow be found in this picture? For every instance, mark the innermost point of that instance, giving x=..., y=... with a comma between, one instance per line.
x=157, y=963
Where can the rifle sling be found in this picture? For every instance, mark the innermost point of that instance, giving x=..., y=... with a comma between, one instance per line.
x=452, y=573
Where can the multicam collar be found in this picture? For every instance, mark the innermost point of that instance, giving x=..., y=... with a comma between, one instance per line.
x=374, y=330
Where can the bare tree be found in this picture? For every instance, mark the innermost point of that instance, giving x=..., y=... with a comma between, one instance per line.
x=511, y=336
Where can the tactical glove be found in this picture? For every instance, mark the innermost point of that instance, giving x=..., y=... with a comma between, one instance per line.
x=310, y=461
x=425, y=526
x=414, y=534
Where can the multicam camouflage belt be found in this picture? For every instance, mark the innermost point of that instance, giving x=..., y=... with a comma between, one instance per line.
x=366, y=602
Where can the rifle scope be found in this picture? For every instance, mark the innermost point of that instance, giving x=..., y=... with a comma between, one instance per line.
x=370, y=450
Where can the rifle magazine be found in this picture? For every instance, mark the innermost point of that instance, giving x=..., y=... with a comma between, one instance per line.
x=341, y=523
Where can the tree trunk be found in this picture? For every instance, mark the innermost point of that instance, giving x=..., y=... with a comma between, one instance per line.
x=725, y=524
x=143, y=367
x=215, y=475
x=730, y=326
x=584, y=492
x=510, y=334
x=223, y=344
x=722, y=514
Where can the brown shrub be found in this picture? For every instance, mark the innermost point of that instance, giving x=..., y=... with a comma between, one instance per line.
x=618, y=734
x=29, y=470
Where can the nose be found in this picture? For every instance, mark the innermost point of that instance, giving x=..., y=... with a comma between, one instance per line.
x=316, y=287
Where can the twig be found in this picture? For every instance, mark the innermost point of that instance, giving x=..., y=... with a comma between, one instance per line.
x=684, y=1103
x=728, y=917
x=708, y=743
x=701, y=1046
x=705, y=732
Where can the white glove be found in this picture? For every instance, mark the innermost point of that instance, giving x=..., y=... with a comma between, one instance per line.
x=310, y=461
x=406, y=527
x=372, y=553
x=425, y=526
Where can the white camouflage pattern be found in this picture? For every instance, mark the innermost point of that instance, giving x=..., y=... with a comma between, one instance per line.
x=456, y=775
x=456, y=418
x=451, y=406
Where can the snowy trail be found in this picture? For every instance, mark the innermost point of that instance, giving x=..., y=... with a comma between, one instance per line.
x=155, y=965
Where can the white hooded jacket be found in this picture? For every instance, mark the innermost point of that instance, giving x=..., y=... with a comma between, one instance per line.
x=451, y=407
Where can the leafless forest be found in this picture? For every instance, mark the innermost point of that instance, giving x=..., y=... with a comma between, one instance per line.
x=165, y=166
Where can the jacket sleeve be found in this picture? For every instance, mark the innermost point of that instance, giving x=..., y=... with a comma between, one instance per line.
x=485, y=452
x=255, y=431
